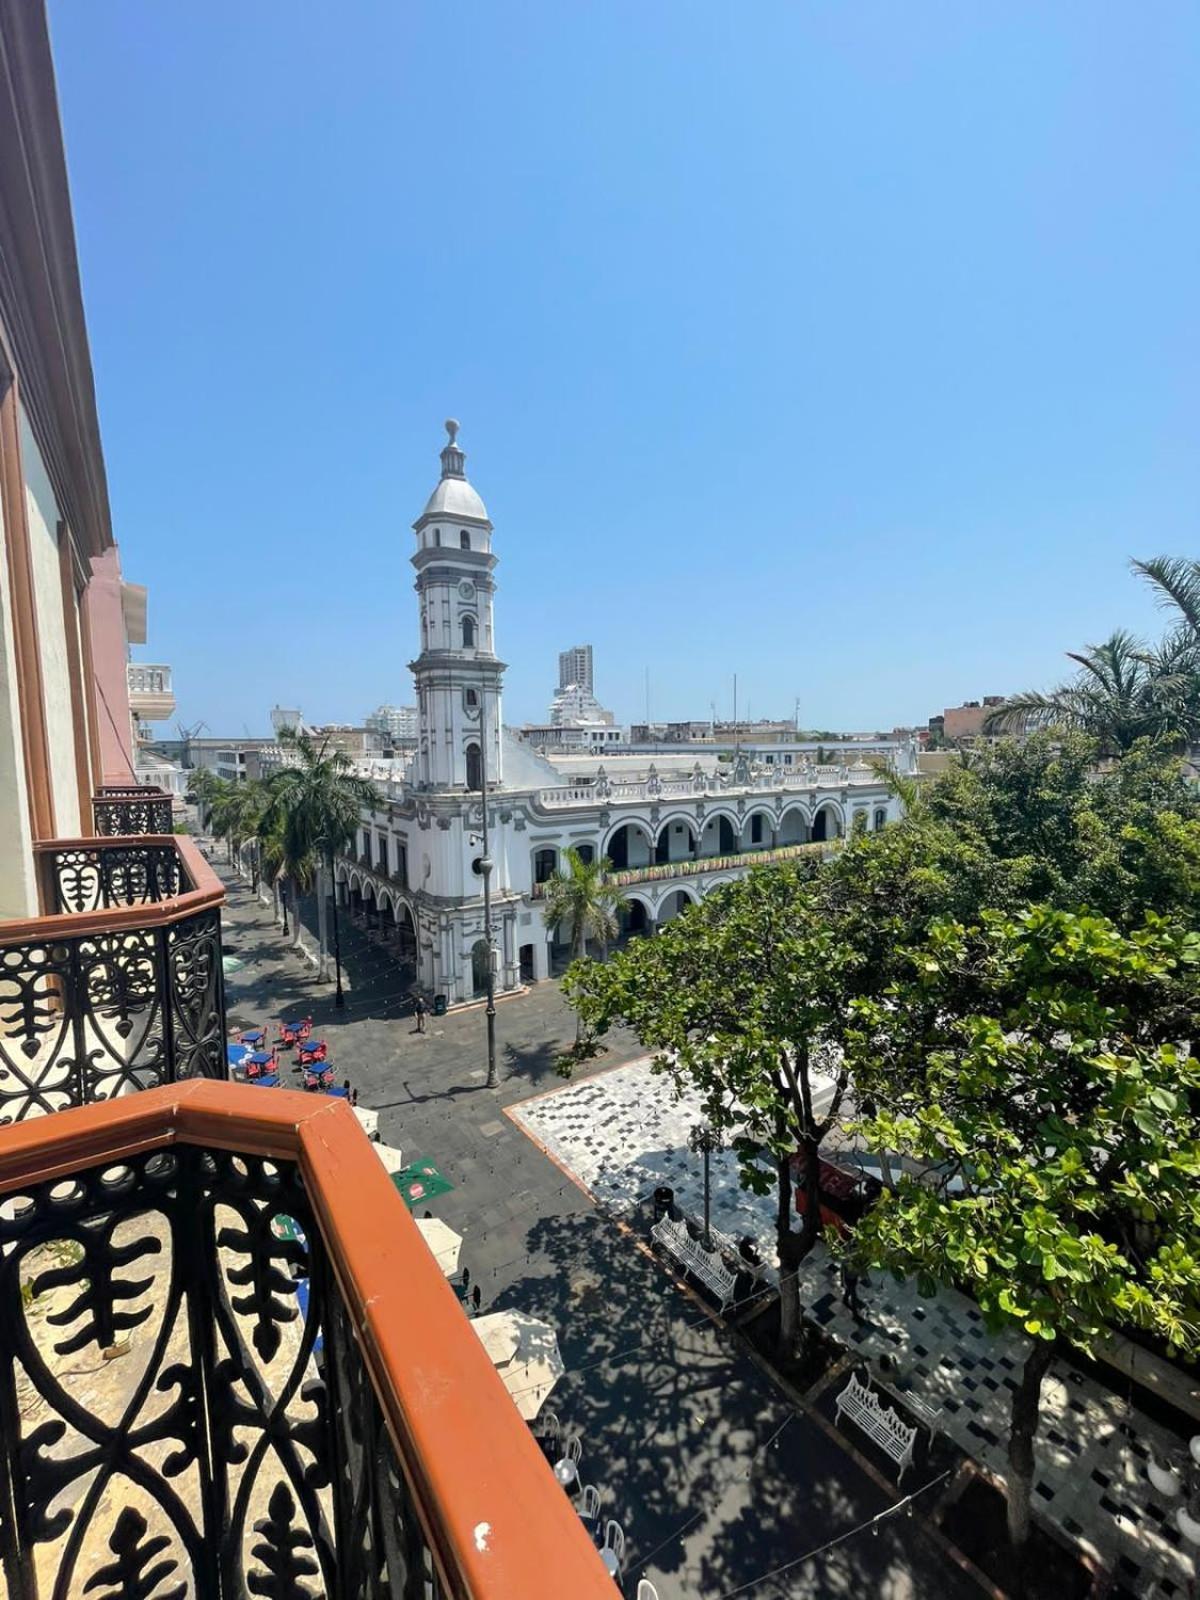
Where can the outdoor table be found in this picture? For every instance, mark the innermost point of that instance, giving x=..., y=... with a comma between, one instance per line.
x=252, y=1036
x=609, y=1557
x=260, y=1058
x=339, y=1093
x=235, y=1054
x=270, y=1080
x=566, y=1472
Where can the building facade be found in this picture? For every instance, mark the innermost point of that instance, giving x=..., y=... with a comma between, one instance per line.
x=673, y=830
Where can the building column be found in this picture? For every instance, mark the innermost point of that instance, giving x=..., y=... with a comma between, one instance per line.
x=31, y=691
x=71, y=595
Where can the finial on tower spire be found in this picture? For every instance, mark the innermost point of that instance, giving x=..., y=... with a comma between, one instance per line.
x=454, y=460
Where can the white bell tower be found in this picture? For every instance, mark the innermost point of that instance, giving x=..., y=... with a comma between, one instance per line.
x=457, y=674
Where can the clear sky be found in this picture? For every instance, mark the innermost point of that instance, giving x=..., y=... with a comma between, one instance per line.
x=848, y=345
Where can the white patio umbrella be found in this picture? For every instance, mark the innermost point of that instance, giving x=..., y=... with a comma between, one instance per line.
x=524, y=1351
x=391, y=1156
x=369, y=1120
x=443, y=1242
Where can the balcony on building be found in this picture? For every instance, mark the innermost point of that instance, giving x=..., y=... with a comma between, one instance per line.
x=151, y=697
x=233, y=1367
x=117, y=985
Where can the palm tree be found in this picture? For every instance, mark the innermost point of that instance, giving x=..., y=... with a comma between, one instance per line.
x=1122, y=692
x=581, y=894
x=315, y=806
x=236, y=812
x=1177, y=581
x=204, y=786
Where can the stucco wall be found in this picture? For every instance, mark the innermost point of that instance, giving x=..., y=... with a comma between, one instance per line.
x=18, y=887
x=110, y=653
x=42, y=516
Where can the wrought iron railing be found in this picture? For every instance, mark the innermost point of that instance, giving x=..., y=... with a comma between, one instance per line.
x=230, y=1366
x=136, y=809
x=755, y=856
x=119, y=985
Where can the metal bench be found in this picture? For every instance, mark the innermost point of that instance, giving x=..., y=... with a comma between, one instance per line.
x=879, y=1422
x=707, y=1265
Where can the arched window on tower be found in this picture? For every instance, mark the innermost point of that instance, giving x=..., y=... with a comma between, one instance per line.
x=464, y=538
x=468, y=633
x=437, y=536
x=474, y=767
x=880, y=818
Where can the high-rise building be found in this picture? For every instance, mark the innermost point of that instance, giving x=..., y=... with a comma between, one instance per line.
x=575, y=667
x=397, y=722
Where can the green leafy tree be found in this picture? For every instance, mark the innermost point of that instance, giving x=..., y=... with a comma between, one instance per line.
x=581, y=896
x=744, y=997
x=313, y=810
x=1028, y=1067
x=204, y=786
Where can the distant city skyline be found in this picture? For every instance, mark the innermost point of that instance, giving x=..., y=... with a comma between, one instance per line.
x=854, y=352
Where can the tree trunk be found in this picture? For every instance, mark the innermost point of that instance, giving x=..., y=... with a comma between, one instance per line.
x=322, y=927
x=1026, y=1404
x=789, y=1284
x=295, y=913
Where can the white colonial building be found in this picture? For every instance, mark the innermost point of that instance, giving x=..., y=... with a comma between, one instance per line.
x=673, y=826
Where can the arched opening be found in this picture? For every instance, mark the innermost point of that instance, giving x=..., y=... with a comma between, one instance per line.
x=718, y=838
x=468, y=633
x=678, y=900
x=479, y=966
x=474, y=767
x=586, y=853
x=792, y=828
x=758, y=832
x=676, y=841
x=525, y=963
x=826, y=825
x=545, y=864
x=464, y=539
x=633, y=922
x=880, y=818
x=630, y=846
x=437, y=536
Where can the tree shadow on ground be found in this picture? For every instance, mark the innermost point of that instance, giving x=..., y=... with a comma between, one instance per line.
x=535, y=1062
x=712, y=1474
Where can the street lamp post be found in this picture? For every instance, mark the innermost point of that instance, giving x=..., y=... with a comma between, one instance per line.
x=485, y=866
x=283, y=905
x=339, y=999
x=703, y=1140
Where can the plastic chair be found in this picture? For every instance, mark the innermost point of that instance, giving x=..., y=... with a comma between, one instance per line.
x=589, y=1503
x=646, y=1590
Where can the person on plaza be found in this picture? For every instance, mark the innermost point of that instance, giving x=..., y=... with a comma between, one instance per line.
x=851, y=1279
x=419, y=1011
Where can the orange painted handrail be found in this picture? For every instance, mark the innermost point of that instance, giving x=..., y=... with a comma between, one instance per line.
x=495, y=1519
x=207, y=890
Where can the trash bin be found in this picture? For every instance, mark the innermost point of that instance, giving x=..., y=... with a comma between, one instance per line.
x=664, y=1200
x=439, y=1005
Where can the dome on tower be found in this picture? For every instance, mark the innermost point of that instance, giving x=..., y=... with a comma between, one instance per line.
x=454, y=497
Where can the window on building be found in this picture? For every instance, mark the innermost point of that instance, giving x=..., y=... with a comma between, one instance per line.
x=471, y=699
x=437, y=536
x=880, y=818
x=586, y=853
x=474, y=767
x=401, y=873
x=545, y=864
x=468, y=633
x=756, y=828
x=464, y=539
x=383, y=853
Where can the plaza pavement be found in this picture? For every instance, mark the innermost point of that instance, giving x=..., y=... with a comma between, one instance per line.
x=681, y=1429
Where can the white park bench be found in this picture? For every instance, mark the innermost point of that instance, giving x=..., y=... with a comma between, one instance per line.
x=707, y=1265
x=879, y=1422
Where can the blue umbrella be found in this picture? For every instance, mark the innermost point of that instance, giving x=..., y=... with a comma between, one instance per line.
x=235, y=1053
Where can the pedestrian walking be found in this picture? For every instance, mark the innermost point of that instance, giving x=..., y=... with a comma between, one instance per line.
x=851, y=1279
x=419, y=1011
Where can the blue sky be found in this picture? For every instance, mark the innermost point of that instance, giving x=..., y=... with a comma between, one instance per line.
x=851, y=347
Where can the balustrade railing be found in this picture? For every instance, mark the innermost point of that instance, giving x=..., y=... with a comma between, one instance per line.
x=138, y=808
x=119, y=985
x=703, y=785
x=229, y=1366
x=661, y=871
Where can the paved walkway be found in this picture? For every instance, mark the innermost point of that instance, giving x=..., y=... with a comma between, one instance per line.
x=624, y=1131
x=681, y=1430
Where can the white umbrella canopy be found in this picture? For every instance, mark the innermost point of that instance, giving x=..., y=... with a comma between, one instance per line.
x=369, y=1120
x=391, y=1156
x=443, y=1242
x=525, y=1353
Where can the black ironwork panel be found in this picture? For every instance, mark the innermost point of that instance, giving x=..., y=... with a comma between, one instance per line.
x=132, y=811
x=91, y=1017
x=183, y=1407
x=98, y=877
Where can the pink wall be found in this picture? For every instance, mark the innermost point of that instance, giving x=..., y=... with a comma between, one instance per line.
x=110, y=652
